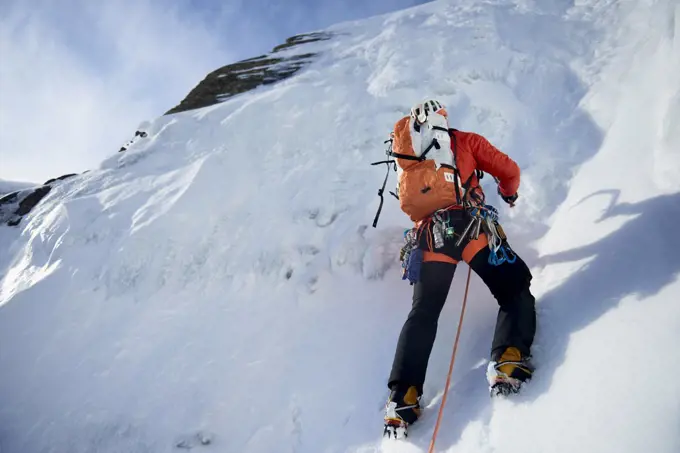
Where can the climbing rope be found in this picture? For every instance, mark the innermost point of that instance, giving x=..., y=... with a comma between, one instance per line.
x=453, y=359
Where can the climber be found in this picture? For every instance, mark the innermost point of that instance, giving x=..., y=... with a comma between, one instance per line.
x=439, y=188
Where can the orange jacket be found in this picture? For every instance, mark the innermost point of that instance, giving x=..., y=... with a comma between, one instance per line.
x=424, y=188
x=476, y=153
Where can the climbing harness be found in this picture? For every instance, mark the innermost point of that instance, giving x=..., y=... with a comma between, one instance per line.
x=482, y=219
x=485, y=218
x=498, y=243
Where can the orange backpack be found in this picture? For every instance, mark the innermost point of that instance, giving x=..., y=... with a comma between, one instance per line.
x=423, y=152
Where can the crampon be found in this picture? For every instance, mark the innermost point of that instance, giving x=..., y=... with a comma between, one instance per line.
x=504, y=386
x=395, y=429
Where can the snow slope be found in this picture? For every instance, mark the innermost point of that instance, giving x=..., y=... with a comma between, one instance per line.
x=221, y=276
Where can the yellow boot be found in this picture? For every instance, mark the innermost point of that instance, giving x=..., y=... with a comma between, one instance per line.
x=402, y=409
x=506, y=375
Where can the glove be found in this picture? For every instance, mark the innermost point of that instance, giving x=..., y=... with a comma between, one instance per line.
x=511, y=199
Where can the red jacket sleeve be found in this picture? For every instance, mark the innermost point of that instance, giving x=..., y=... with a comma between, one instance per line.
x=498, y=164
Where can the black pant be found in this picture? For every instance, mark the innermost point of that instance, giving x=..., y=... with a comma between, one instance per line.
x=515, y=325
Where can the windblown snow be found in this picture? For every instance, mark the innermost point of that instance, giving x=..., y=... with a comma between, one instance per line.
x=218, y=286
x=12, y=186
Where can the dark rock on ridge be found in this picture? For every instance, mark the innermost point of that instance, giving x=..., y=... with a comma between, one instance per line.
x=14, y=206
x=249, y=74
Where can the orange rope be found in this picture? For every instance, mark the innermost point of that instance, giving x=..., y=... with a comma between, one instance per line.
x=453, y=359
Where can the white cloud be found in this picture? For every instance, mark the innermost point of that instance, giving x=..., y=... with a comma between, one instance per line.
x=77, y=77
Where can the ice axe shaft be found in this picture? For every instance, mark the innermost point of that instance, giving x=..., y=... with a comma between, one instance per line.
x=466, y=231
x=478, y=227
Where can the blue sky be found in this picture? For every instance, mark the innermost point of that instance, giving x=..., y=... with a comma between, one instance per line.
x=78, y=76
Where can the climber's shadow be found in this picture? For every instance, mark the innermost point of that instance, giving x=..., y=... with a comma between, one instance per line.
x=639, y=258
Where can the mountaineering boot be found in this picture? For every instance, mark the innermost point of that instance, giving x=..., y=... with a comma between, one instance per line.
x=402, y=409
x=508, y=372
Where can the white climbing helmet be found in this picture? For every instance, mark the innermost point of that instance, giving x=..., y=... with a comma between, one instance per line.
x=420, y=112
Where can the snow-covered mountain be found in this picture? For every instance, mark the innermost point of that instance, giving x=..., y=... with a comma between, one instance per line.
x=221, y=275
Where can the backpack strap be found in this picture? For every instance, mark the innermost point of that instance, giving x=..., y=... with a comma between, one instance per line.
x=434, y=144
x=381, y=191
x=456, y=175
x=405, y=156
x=422, y=157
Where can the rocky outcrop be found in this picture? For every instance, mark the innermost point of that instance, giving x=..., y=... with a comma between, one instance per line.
x=14, y=206
x=283, y=62
x=60, y=178
x=133, y=140
x=249, y=74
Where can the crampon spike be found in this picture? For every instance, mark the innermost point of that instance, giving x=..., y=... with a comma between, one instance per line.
x=395, y=429
x=505, y=387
